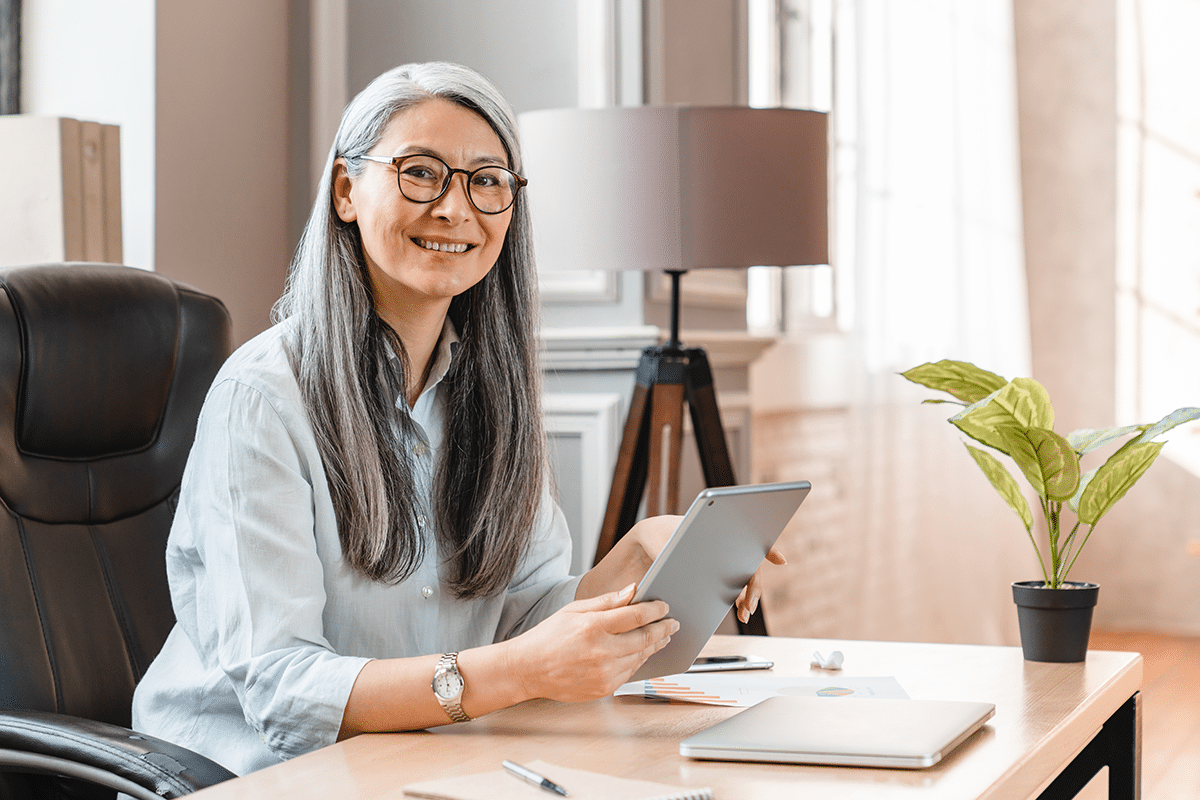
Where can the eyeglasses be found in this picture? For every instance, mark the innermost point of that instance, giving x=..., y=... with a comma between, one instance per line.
x=425, y=178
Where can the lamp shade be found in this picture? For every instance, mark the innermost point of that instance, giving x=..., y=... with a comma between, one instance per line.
x=676, y=187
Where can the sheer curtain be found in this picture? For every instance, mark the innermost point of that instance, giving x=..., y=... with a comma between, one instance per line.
x=930, y=154
x=903, y=538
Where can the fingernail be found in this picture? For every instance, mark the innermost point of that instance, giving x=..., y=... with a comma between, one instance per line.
x=628, y=590
x=743, y=615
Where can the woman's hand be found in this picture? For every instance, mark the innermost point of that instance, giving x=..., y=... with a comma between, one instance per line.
x=747, y=602
x=629, y=558
x=590, y=647
x=584, y=651
x=633, y=554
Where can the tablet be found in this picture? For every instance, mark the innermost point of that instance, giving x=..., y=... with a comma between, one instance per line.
x=709, y=559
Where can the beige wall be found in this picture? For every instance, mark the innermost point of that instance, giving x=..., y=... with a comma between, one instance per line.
x=1068, y=66
x=1067, y=102
x=222, y=168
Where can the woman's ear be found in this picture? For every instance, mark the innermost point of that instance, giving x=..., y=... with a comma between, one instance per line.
x=343, y=203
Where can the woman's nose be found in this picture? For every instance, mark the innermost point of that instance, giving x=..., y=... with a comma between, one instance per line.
x=454, y=204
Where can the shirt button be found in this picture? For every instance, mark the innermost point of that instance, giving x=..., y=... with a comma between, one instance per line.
x=421, y=520
x=427, y=592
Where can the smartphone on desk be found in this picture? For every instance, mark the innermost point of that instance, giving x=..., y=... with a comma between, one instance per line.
x=725, y=663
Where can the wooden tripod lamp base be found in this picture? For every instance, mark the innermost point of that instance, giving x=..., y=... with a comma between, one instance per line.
x=668, y=376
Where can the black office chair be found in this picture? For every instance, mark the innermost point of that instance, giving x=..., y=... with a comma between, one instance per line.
x=103, y=370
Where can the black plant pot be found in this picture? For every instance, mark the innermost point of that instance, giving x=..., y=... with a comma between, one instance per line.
x=1055, y=623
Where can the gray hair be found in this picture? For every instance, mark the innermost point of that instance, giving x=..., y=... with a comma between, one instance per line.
x=492, y=467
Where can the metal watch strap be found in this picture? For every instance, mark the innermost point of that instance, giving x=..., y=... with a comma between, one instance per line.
x=449, y=662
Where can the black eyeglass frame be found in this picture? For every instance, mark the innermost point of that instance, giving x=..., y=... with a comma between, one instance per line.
x=450, y=173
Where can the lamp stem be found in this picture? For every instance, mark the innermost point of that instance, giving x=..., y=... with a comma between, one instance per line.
x=675, y=274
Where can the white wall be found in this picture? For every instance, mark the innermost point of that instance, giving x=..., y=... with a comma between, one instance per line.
x=95, y=61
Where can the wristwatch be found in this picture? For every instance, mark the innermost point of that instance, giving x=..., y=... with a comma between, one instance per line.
x=448, y=686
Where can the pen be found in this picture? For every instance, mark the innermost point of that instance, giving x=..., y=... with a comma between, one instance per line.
x=532, y=777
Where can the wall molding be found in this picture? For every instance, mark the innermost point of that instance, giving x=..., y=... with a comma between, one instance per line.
x=593, y=423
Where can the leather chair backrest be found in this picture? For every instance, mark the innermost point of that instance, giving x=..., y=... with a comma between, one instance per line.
x=103, y=370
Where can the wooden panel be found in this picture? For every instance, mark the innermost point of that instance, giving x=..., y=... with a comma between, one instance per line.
x=62, y=198
x=91, y=168
x=71, y=142
x=111, y=169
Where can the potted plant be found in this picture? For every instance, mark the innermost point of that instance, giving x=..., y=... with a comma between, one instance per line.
x=1016, y=419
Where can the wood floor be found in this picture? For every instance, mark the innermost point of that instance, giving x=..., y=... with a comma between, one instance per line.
x=1170, y=711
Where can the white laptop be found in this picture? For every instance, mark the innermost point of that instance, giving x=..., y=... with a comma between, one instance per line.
x=851, y=731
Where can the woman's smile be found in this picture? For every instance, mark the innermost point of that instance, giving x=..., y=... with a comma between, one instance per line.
x=443, y=246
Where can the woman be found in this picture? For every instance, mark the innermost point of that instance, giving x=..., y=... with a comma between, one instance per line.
x=366, y=507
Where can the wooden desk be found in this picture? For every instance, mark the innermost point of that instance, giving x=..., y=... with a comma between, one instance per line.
x=1046, y=715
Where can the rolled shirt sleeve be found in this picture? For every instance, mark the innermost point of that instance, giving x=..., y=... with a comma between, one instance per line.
x=273, y=626
x=244, y=555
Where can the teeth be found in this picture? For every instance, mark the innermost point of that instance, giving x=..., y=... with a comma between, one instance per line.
x=443, y=247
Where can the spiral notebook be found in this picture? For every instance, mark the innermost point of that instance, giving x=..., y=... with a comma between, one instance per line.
x=582, y=785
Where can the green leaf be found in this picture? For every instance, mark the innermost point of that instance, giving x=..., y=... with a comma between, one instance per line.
x=1085, y=440
x=934, y=402
x=1176, y=417
x=1046, y=459
x=960, y=379
x=1026, y=402
x=1114, y=478
x=1022, y=403
x=1004, y=483
x=1084, y=480
x=965, y=421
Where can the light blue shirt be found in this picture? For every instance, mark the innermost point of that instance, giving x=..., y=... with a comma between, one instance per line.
x=272, y=625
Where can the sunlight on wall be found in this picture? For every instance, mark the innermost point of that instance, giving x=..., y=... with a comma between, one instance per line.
x=1158, y=262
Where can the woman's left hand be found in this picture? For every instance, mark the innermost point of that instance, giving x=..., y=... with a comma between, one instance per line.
x=747, y=602
x=633, y=554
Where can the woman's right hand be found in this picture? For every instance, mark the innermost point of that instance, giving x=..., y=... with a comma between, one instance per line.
x=590, y=647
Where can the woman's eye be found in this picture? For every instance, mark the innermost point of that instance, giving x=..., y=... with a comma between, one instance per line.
x=419, y=173
x=486, y=180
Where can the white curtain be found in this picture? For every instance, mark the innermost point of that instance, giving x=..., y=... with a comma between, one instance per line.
x=928, y=154
x=902, y=537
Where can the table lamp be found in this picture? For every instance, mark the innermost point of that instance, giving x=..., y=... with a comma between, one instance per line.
x=674, y=188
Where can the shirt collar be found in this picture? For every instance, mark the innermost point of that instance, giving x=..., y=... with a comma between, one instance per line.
x=443, y=357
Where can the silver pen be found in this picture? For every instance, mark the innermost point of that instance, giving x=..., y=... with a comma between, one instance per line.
x=530, y=776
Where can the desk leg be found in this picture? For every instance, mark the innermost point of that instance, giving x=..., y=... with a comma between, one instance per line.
x=1117, y=746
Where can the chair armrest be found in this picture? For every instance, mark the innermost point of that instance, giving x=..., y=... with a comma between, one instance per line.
x=97, y=752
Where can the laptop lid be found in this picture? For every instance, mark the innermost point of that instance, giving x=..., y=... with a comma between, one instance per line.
x=867, y=732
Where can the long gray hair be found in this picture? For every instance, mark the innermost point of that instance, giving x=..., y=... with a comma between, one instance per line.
x=492, y=466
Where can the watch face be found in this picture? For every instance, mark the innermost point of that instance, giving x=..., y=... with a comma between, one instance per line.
x=448, y=684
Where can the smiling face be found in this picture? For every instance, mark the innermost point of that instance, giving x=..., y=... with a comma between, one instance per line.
x=421, y=255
